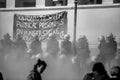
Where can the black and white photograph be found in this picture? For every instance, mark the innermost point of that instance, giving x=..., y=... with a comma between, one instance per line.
x=59, y=39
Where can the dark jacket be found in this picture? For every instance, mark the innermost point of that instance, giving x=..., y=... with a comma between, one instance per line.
x=66, y=47
x=91, y=76
x=114, y=79
x=34, y=75
x=1, y=76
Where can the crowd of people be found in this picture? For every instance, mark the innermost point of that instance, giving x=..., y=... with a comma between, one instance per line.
x=108, y=52
x=99, y=73
x=107, y=48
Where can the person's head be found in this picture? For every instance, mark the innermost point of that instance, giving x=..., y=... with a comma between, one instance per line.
x=19, y=36
x=99, y=68
x=101, y=38
x=84, y=37
x=80, y=37
x=115, y=71
x=7, y=36
x=52, y=36
x=66, y=37
x=110, y=37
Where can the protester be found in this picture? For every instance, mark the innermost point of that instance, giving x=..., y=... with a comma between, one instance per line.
x=66, y=46
x=98, y=73
x=20, y=47
x=82, y=47
x=115, y=73
x=38, y=69
x=6, y=43
x=6, y=49
x=101, y=47
x=35, y=46
x=110, y=48
x=20, y=43
x=52, y=45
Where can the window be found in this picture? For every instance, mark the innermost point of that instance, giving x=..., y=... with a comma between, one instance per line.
x=83, y=2
x=98, y=1
x=56, y=2
x=86, y=2
x=116, y=1
x=2, y=3
x=25, y=3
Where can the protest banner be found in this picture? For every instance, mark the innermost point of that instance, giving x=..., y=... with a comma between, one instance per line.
x=29, y=26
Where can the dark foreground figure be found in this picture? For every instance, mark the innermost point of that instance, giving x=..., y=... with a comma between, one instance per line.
x=1, y=76
x=98, y=73
x=38, y=69
x=115, y=73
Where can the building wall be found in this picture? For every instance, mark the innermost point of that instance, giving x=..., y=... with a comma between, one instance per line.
x=92, y=20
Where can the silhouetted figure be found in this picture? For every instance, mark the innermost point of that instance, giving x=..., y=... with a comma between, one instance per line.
x=1, y=76
x=6, y=49
x=20, y=43
x=38, y=69
x=115, y=73
x=66, y=46
x=52, y=45
x=110, y=49
x=101, y=47
x=98, y=73
x=6, y=43
x=83, y=51
x=35, y=46
x=20, y=46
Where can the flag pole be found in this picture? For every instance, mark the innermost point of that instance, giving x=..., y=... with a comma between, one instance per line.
x=75, y=24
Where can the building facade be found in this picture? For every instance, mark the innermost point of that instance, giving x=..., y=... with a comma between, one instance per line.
x=93, y=20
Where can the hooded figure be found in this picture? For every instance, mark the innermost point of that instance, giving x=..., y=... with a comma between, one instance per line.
x=98, y=73
x=38, y=69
